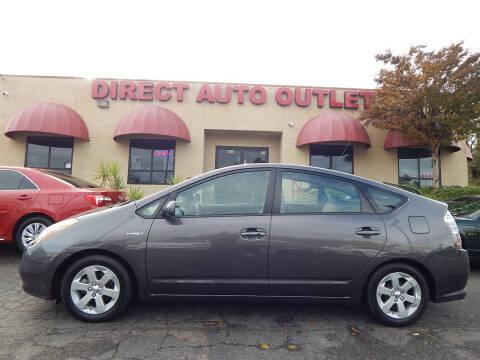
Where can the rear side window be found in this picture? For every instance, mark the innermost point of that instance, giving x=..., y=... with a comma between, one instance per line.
x=13, y=180
x=383, y=201
x=26, y=184
x=310, y=193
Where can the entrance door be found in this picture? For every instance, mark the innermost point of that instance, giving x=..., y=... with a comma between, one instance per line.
x=217, y=242
x=235, y=155
x=322, y=235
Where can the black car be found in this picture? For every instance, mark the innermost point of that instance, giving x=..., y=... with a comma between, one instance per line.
x=466, y=211
x=256, y=231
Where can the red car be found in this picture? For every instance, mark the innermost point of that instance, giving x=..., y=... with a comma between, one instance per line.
x=32, y=199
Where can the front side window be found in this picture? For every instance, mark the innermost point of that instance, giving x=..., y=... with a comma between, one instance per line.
x=310, y=193
x=151, y=161
x=231, y=155
x=335, y=157
x=415, y=167
x=13, y=180
x=54, y=153
x=240, y=193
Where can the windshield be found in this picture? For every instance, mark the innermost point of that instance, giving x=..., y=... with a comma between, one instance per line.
x=79, y=183
x=467, y=207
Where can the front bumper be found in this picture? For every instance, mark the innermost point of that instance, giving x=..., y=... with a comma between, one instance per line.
x=37, y=271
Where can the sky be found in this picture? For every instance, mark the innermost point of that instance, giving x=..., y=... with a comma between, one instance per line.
x=304, y=43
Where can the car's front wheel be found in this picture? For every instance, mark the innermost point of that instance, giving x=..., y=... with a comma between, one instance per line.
x=96, y=288
x=397, y=294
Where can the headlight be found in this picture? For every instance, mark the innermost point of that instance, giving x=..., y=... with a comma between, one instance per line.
x=53, y=229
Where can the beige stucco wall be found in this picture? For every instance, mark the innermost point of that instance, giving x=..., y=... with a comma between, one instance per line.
x=210, y=125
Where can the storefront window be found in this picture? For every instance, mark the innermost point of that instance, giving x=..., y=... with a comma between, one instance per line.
x=415, y=167
x=151, y=161
x=230, y=155
x=54, y=153
x=335, y=157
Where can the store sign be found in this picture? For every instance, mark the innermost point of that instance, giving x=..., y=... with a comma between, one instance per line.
x=162, y=153
x=223, y=94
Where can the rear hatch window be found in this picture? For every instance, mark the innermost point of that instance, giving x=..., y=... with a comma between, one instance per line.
x=72, y=180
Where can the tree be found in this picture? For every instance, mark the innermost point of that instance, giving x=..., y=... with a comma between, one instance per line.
x=432, y=97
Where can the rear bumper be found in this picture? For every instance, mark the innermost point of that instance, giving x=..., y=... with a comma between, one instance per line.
x=450, y=269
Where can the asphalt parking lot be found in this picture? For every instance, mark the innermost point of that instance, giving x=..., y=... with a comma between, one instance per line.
x=32, y=328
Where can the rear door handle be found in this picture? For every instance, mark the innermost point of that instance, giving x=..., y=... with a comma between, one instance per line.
x=24, y=197
x=252, y=233
x=367, y=231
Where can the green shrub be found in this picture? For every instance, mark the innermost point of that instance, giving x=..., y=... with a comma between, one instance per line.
x=175, y=179
x=449, y=192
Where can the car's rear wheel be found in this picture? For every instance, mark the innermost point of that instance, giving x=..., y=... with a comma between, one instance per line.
x=96, y=288
x=29, y=229
x=397, y=294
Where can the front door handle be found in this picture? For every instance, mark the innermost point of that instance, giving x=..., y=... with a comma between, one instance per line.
x=367, y=231
x=24, y=197
x=253, y=233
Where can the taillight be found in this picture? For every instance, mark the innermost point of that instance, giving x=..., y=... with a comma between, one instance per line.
x=452, y=226
x=98, y=200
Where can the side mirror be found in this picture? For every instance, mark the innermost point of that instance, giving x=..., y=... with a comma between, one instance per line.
x=169, y=208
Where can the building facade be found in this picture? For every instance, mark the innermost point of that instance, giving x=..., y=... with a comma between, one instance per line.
x=156, y=129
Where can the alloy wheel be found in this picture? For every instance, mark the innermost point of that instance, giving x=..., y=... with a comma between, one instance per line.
x=95, y=289
x=30, y=233
x=398, y=295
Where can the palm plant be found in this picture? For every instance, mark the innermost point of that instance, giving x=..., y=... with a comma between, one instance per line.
x=102, y=173
x=115, y=179
x=110, y=172
x=134, y=193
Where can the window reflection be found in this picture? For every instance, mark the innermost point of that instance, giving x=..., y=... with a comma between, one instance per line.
x=151, y=161
x=54, y=153
x=231, y=155
x=335, y=157
x=415, y=167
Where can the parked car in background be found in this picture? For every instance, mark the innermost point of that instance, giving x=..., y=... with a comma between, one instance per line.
x=466, y=211
x=259, y=230
x=32, y=199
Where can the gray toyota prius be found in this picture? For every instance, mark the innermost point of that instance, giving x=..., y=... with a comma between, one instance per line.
x=256, y=231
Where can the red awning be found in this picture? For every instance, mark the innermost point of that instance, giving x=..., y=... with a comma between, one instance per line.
x=152, y=120
x=48, y=118
x=469, y=153
x=332, y=127
x=395, y=139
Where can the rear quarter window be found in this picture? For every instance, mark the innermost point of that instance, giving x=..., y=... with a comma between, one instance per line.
x=383, y=201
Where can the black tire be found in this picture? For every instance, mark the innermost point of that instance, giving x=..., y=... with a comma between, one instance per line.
x=24, y=224
x=371, y=295
x=120, y=272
